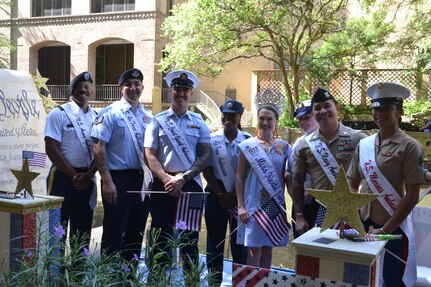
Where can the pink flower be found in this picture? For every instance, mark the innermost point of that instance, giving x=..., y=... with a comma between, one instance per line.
x=59, y=231
x=181, y=225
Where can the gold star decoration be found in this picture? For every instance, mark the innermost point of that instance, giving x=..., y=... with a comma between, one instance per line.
x=341, y=204
x=47, y=101
x=40, y=81
x=25, y=177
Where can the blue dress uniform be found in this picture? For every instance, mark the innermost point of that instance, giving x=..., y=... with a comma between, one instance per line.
x=124, y=221
x=163, y=206
x=78, y=205
x=217, y=217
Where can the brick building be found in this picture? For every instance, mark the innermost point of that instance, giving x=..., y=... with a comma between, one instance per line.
x=62, y=38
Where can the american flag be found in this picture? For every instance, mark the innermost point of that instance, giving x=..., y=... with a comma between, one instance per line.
x=34, y=158
x=189, y=210
x=273, y=221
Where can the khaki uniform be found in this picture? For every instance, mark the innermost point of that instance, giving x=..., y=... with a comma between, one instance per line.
x=342, y=147
x=400, y=159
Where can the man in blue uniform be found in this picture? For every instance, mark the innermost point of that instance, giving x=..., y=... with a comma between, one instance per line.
x=118, y=136
x=177, y=146
x=69, y=147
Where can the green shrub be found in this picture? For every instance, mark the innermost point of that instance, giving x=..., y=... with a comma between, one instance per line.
x=50, y=266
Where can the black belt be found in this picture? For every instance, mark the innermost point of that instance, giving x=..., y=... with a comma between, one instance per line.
x=81, y=169
x=128, y=172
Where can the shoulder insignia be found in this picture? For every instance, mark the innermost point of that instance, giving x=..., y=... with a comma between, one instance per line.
x=98, y=120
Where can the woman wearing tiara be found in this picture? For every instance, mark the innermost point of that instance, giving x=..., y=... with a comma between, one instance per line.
x=260, y=190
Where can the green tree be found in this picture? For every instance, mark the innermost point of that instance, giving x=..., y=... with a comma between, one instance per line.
x=414, y=39
x=5, y=44
x=362, y=43
x=208, y=34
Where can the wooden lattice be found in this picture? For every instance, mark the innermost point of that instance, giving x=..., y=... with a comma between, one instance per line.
x=350, y=89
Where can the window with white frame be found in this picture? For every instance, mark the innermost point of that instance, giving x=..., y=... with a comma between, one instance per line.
x=43, y=8
x=103, y=6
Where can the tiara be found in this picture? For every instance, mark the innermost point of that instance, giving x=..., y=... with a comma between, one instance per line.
x=270, y=97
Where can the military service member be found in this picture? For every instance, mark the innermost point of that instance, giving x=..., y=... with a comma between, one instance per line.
x=390, y=163
x=177, y=146
x=118, y=136
x=321, y=153
x=69, y=147
x=308, y=124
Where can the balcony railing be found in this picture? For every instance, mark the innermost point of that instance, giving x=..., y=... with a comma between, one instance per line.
x=107, y=93
x=102, y=92
x=58, y=92
x=207, y=102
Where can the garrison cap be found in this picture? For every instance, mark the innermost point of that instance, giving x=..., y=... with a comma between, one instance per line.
x=321, y=95
x=130, y=74
x=302, y=108
x=232, y=107
x=271, y=107
x=83, y=77
x=385, y=94
x=182, y=79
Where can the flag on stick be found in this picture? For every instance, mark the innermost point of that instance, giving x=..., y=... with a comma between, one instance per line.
x=34, y=158
x=189, y=210
x=273, y=221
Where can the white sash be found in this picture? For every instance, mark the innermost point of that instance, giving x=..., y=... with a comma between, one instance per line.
x=325, y=158
x=84, y=138
x=264, y=169
x=136, y=133
x=179, y=143
x=223, y=163
x=82, y=132
x=389, y=199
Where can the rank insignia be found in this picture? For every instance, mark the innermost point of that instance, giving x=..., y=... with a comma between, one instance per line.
x=194, y=127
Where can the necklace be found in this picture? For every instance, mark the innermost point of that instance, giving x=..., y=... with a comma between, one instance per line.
x=265, y=142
